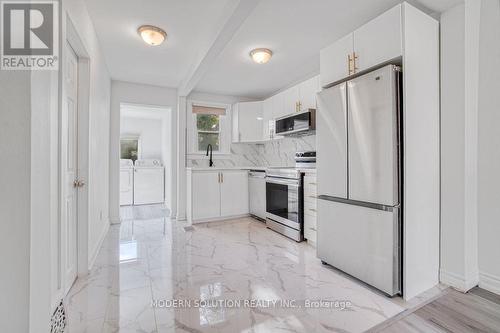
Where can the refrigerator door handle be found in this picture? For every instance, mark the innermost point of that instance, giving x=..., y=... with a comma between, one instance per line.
x=372, y=205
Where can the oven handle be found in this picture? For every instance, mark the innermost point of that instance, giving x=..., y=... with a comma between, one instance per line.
x=293, y=183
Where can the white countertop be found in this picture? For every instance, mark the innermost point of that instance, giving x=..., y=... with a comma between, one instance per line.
x=215, y=168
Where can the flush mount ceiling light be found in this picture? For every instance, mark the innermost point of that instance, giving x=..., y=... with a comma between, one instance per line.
x=261, y=56
x=152, y=35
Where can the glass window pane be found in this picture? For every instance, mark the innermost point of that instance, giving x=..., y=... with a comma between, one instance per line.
x=208, y=138
x=207, y=122
x=129, y=149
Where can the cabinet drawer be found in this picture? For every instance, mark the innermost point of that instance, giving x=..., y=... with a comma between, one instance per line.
x=310, y=228
x=310, y=181
x=310, y=188
x=310, y=208
x=310, y=197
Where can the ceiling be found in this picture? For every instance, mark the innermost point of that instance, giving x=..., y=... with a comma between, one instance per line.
x=128, y=58
x=294, y=29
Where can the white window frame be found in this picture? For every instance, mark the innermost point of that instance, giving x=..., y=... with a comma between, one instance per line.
x=224, y=128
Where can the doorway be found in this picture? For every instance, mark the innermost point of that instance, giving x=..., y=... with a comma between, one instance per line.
x=145, y=157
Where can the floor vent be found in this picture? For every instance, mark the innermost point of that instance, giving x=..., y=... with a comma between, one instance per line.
x=58, y=320
x=189, y=228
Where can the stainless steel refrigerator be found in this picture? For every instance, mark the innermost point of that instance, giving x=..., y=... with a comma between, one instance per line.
x=359, y=166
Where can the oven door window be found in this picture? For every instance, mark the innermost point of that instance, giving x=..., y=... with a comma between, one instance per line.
x=283, y=201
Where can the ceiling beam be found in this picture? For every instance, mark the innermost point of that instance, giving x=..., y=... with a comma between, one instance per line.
x=234, y=14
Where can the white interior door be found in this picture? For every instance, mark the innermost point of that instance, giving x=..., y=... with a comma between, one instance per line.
x=70, y=168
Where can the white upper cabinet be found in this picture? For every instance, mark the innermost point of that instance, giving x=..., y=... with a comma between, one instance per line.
x=307, y=93
x=267, y=115
x=278, y=105
x=248, y=122
x=374, y=43
x=291, y=99
x=334, y=60
x=379, y=40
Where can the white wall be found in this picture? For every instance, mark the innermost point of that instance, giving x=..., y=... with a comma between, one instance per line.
x=150, y=132
x=126, y=92
x=470, y=158
x=15, y=136
x=452, y=146
x=489, y=143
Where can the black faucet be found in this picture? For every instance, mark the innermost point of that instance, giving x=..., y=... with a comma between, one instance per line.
x=210, y=163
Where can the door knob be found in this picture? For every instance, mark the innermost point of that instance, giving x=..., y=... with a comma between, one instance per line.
x=78, y=183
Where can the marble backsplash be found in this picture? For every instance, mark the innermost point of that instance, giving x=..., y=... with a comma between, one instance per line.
x=273, y=153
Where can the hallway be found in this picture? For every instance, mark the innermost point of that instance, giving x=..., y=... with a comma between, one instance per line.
x=156, y=259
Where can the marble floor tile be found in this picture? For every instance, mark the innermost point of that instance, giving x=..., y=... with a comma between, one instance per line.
x=231, y=276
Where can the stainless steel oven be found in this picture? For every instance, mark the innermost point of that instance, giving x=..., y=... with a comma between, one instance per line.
x=284, y=202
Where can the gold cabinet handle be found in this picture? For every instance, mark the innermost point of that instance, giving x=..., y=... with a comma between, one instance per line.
x=354, y=58
x=221, y=177
x=349, y=63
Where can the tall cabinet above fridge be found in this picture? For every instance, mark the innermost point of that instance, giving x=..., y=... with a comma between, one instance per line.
x=378, y=165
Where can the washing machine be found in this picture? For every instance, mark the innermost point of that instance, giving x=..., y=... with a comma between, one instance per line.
x=126, y=182
x=149, y=182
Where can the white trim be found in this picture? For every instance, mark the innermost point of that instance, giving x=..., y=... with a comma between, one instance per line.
x=489, y=282
x=95, y=251
x=456, y=281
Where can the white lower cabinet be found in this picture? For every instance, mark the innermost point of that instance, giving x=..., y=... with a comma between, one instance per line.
x=234, y=193
x=218, y=194
x=205, y=195
x=310, y=193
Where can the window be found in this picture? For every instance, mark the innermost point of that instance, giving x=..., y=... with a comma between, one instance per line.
x=208, y=131
x=208, y=124
x=129, y=148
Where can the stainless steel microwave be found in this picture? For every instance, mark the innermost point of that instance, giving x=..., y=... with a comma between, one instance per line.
x=296, y=123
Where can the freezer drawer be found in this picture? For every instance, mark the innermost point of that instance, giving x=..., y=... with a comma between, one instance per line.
x=361, y=241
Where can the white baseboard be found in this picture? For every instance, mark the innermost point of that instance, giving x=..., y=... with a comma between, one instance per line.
x=95, y=251
x=220, y=218
x=456, y=281
x=489, y=282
